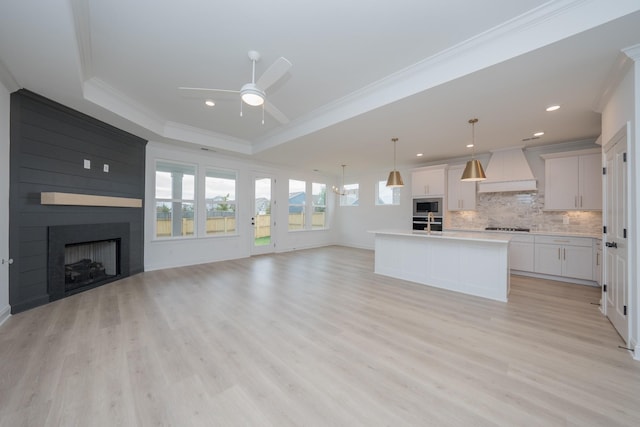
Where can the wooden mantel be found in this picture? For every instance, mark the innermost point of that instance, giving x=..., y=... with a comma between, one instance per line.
x=72, y=199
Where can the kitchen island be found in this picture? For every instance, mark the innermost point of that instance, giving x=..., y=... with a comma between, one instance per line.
x=471, y=263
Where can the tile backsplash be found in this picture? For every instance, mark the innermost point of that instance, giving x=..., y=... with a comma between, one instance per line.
x=523, y=210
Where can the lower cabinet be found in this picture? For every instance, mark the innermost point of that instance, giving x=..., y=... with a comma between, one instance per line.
x=521, y=253
x=564, y=256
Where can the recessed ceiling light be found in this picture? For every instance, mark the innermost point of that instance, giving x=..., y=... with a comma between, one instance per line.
x=553, y=108
x=469, y=145
x=209, y=103
x=419, y=155
x=538, y=134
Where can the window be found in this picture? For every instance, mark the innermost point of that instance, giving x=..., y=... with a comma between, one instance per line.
x=319, y=201
x=351, y=195
x=297, y=205
x=175, y=199
x=220, y=201
x=387, y=195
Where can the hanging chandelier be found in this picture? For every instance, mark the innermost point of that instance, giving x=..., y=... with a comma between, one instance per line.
x=340, y=191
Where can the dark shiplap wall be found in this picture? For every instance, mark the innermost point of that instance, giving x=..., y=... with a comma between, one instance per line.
x=49, y=143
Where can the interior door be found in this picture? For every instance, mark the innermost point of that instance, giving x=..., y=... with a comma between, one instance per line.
x=615, y=220
x=263, y=214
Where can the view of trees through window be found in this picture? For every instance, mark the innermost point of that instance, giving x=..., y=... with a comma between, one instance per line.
x=262, y=213
x=220, y=199
x=177, y=205
x=175, y=199
x=297, y=199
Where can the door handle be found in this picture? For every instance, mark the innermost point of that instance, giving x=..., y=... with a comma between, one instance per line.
x=7, y=261
x=611, y=244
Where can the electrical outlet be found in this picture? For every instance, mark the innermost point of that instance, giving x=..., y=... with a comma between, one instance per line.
x=565, y=219
x=87, y=164
x=105, y=168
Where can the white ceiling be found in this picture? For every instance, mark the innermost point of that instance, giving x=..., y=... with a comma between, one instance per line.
x=363, y=72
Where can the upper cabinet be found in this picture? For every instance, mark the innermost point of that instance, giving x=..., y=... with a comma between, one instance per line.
x=429, y=181
x=573, y=180
x=461, y=195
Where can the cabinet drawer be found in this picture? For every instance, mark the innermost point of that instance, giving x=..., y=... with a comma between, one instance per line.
x=524, y=238
x=565, y=241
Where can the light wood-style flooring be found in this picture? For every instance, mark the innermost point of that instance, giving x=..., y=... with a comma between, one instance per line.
x=314, y=338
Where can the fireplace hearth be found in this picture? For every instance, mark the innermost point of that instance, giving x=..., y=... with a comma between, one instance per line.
x=81, y=257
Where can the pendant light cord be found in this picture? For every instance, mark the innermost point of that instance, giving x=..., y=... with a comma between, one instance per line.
x=394, y=153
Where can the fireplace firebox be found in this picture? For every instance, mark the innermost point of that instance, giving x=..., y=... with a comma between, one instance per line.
x=81, y=257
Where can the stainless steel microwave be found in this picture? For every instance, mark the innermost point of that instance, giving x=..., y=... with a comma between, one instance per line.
x=422, y=206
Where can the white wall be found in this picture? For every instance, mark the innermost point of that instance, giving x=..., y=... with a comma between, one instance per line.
x=4, y=202
x=354, y=222
x=623, y=107
x=168, y=253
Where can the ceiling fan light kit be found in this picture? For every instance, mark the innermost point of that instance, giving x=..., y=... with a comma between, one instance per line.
x=251, y=95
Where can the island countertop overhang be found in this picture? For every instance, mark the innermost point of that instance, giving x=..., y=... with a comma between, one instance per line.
x=448, y=235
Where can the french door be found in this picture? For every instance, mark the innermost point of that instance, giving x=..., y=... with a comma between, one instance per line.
x=615, y=220
x=263, y=215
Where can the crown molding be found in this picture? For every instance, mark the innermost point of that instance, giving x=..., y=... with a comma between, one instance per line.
x=538, y=27
x=101, y=93
x=7, y=79
x=206, y=138
x=82, y=31
x=633, y=52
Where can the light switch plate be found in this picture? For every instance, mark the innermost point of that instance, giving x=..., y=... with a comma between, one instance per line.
x=87, y=164
x=105, y=167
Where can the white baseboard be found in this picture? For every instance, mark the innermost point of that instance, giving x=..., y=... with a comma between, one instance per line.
x=5, y=313
x=556, y=278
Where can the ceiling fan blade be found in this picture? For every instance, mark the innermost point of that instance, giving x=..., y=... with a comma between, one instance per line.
x=201, y=92
x=275, y=113
x=273, y=73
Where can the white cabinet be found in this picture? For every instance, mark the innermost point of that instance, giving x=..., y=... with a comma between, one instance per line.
x=521, y=253
x=461, y=195
x=564, y=256
x=573, y=181
x=428, y=181
x=597, y=262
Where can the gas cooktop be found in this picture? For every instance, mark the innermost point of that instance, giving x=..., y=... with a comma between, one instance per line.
x=507, y=229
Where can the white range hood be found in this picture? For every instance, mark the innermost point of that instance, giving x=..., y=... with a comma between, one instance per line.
x=508, y=170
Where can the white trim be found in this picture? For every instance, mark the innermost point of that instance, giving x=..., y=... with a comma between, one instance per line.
x=556, y=278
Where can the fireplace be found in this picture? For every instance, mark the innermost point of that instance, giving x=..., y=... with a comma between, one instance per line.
x=81, y=257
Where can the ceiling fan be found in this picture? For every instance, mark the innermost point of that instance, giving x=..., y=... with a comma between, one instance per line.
x=254, y=93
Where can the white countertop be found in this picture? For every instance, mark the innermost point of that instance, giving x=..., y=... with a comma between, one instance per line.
x=450, y=235
x=533, y=233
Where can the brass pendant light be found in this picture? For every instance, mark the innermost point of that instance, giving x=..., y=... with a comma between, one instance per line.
x=394, y=180
x=473, y=171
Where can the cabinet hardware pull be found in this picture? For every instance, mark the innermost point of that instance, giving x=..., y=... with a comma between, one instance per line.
x=564, y=253
x=559, y=253
x=580, y=201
